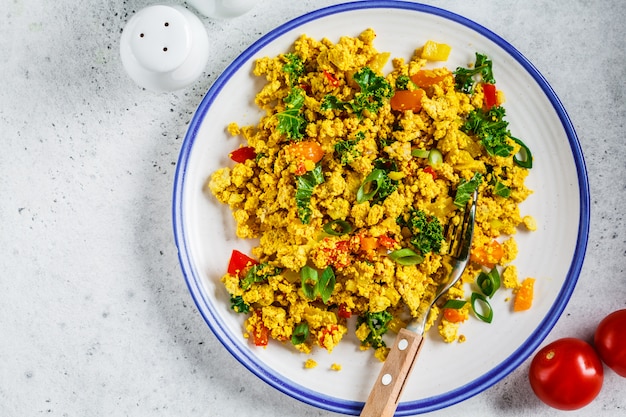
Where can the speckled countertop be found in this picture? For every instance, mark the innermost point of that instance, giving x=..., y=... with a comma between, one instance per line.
x=95, y=316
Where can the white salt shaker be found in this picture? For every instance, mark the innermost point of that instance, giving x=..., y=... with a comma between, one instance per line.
x=164, y=48
x=222, y=9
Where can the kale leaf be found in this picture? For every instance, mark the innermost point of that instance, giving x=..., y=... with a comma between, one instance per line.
x=294, y=68
x=374, y=90
x=258, y=273
x=427, y=233
x=290, y=121
x=464, y=77
x=378, y=324
x=491, y=130
x=237, y=304
x=466, y=188
x=304, y=190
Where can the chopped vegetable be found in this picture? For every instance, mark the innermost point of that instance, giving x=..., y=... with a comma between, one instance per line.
x=260, y=332
x=238, y=304
x=434, y=51
x=375, y=90
x=465, y=190
x=376, y=186
x=524, y=153
x=490, y=96
x=258, y=273
x=338, y=227
x=464, y=77
x=406, y=256
x=294, y=68
x=242, y=154
x=491, y=130
x=487, y=255
x=314, y=285
x=239, y=262
x=331, y=79
x=304, y=190
x=346, y=149
x=427, y=78
x=404, y=100
x=291, y=123
x=481, y=307
x=524, y=297
x=426, y=232
x=489, y=282
x=300, y=333
x=378, y=324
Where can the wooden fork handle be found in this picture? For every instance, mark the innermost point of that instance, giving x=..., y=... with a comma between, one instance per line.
x=385, y=395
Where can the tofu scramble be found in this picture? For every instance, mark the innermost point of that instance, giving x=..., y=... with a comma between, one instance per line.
x=349, y=182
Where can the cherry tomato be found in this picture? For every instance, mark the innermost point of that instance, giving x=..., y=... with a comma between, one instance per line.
x=567, y=374
x=610, y=341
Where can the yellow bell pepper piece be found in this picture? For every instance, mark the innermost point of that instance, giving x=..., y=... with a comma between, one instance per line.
x=434, y=51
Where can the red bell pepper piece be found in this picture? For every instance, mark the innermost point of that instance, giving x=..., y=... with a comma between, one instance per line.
x=490, y=95
x=242, y=154
x=239, y=262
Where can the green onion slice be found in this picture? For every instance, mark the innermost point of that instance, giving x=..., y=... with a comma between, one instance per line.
x=406, y=257
x=300, y=333
x=489, y=282
x=455, y=304
x=309, y=278
x=435, y=157
x=481, y=307
x=326, y=284
x=370, y=186
x=338, y=227
x=524, y=153
x=420, y=153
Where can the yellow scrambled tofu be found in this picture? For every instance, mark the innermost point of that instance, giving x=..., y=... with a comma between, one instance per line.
x=349, y=181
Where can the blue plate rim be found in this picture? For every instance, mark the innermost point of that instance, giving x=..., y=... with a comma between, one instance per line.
x=293, y=389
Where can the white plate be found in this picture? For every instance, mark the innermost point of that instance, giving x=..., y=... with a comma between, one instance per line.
x=444, y=373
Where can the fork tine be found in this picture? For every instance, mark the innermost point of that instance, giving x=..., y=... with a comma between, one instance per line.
x=461, y=238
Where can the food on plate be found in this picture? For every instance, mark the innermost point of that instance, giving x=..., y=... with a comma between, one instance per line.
x=566, y=374
x=610, y=341
x=350, y=181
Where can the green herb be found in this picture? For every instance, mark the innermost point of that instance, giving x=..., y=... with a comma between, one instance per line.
x=304, y=190
x=501, y=190
x=374, y=91
x=237, y=304
x=406, y=257
x=455, y=304
x=346, y=149
x=481, y=307
x=378, y=324
x=294, y=68
x=290, y=121
x=527, y=156
x=338, y=227
x=313, y=285
x=300, y=333
x=427, y=233
x=464, y=77
x=403, y=82
x=491, y=130
x=465, y=190
x=489, y=282
x=258, y=273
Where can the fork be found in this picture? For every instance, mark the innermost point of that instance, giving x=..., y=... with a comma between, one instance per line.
x=385, y=395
